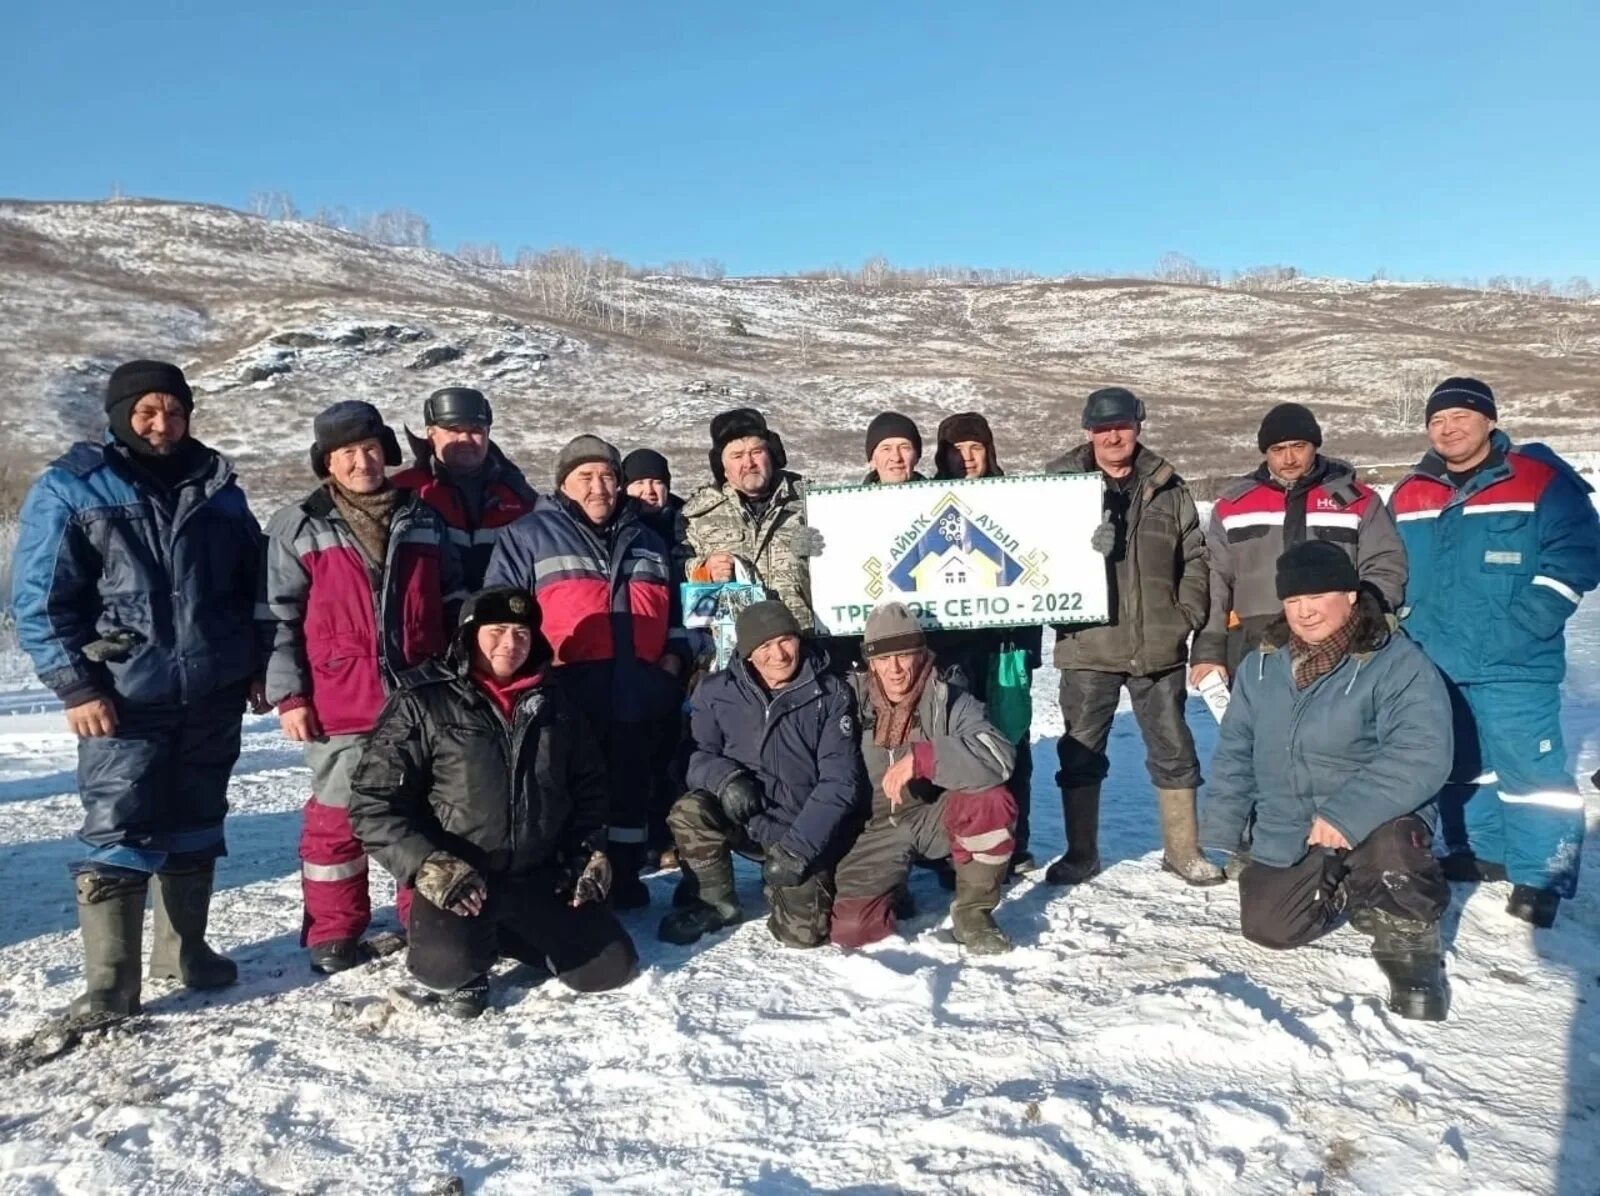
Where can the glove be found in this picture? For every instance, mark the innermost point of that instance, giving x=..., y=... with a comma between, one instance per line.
x=1104, y=540
x=806, y=542
x=781, y=868
x=449, y=882
x=742, y=797
x=594, y=882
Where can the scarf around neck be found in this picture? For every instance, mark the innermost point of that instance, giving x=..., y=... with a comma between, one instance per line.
x=369, y=517
x=894, y=720
x=1317, y=660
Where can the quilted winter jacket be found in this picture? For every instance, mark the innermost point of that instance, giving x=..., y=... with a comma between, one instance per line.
x=99, y=553
x=717, y=522
x=507, y=497
x=343, y=628
x=1363, y=744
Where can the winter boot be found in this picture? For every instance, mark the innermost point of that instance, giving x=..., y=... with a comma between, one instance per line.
x=1463, y=868
x=1080, y=810
x=183, y=902
x=337, y=955
x=1022, y=863
x=972, y=911
x=468, y=1001
x=1180, y=838
x=715, y=905
x=903, y=903
x=1412, y=957
x=1537, y=907
x=627, y=890
x=111, y=917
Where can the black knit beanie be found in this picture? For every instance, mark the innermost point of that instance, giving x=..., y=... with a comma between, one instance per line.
x=1461, y=392
x=760, y=622
x=1316, y=567
x=646, y=463
x=891, y=425
x=1289, y=421
x=129, y=383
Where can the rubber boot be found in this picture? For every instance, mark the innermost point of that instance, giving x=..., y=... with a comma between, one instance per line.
x=183, y=903
x=627, y=890
x=715, y=906
x=1537, y=907
x=469, y=1001
x=111, y=918
x=1080, y=811
x=1412, y=957
x=972, y=912
x=1465, y=868
x=1180, y=838
x=337, y=955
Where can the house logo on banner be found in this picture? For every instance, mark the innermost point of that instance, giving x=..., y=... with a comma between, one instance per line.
x=954, y=550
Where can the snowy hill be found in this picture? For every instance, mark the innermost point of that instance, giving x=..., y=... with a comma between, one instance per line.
x=276, y=319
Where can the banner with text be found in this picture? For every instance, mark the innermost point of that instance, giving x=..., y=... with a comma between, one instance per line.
x=981, y=552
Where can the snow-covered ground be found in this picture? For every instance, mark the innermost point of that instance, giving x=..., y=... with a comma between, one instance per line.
x=1133, y=1044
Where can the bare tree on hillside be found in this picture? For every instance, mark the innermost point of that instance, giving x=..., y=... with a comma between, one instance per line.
x=1181, y=268
x=479, y=254
x=272, y=205
x=1402, y=407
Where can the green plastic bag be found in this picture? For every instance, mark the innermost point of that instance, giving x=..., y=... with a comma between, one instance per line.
x=1010, y=702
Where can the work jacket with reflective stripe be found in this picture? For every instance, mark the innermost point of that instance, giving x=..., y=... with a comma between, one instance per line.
x=604, y=604
x=1255, y=519
x=1497, y=566
x=507, y=497
x=343, y=626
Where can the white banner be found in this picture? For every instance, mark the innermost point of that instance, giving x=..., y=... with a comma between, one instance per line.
x=982, y=552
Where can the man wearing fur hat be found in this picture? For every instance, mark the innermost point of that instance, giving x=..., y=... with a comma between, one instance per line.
x=134, y=593
x=1296, y=494
x=362, y=582
x=938, y=770
x=751, y=518
x=464, y=476
x=601, y=575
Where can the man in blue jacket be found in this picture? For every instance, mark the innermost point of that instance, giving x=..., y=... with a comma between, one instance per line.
x=1336, y=739
x=775, y=775
x=134, y=594
x=1502, y=542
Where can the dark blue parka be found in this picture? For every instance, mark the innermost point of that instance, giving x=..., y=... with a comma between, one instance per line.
x=101, y=550
x=800, y=743
x=1360, y=746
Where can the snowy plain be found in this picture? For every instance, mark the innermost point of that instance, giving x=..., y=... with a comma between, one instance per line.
x=1134, y=1043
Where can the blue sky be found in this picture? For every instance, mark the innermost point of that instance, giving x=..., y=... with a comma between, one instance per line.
x=1441, y=140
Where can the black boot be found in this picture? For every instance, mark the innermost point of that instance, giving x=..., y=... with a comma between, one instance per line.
x=714, y=905
x=111, y=917
x=1412, y=957
x=1464, y=868
x=339, y=955
x=1537, y=907
x=1080, y=810
x=468, y=1001
x=627, y=890
x=183, y=904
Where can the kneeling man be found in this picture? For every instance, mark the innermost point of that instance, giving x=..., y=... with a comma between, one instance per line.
x=775, y=776
x=1336, y=739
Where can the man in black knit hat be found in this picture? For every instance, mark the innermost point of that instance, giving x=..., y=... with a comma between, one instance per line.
x=749, y=523
x=1296, y=494
x=134, y=593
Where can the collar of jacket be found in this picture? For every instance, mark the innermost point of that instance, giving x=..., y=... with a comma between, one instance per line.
x=319, y=503
x=1371, y=635
x=807, y=683
x=1153, y=470
x=872, y=478
x=84, y=458
x=496, y=465
x=626, y=514
x=708, y=498
x=932, y=710
x=1433, y=466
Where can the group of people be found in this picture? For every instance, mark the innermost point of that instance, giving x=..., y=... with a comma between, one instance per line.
x=500, y=704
